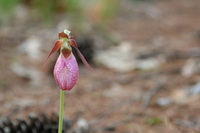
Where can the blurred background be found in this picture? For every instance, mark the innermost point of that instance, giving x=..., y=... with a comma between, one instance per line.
x=144, y=54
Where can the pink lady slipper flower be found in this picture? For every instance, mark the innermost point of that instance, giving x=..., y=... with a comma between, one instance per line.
x=66, y=67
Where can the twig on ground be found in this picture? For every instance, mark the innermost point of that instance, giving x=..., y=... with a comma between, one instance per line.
x=112, y=109
x=112, y=127
x=150, y=93
x=187, y=124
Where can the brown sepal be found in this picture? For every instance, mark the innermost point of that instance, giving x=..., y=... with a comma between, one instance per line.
x=62, y=34
x=71, y=37
x=72, y=42
x=56, y=47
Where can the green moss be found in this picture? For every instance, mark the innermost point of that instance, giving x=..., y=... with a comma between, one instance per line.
x=152, y=121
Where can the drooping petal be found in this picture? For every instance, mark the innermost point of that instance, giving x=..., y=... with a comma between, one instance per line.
x=66, y=72
x=56, y=47
x=83, y=60
x=73, y=44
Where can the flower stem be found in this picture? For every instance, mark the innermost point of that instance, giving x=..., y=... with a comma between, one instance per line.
x=62, y=93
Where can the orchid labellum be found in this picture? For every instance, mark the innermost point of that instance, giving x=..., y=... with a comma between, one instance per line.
x=66, y=67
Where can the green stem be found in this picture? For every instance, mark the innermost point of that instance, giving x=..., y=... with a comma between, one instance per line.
x=62, y=93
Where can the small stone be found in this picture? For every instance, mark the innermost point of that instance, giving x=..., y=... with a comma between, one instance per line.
x=194, y=89
x=189, y=68
x=31, y=47
x=82, y=124
x=147, y=64
x=120, y=58
x=163, y=102
x=30, y=73
x=116, y=90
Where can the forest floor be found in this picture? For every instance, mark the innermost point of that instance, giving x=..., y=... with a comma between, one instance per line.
x=164, y=99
